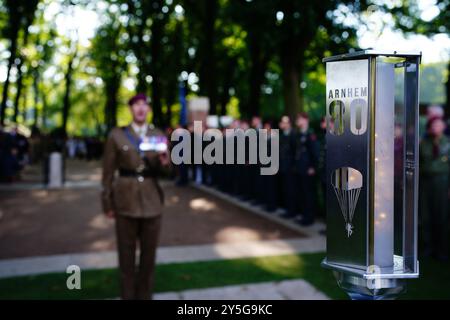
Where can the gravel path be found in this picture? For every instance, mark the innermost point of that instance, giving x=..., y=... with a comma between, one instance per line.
x=48, y=222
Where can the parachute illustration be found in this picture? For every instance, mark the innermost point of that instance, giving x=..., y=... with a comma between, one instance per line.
x=347, y=184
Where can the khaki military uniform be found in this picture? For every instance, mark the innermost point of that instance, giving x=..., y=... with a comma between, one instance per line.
x=434, y=185
x=131, y=190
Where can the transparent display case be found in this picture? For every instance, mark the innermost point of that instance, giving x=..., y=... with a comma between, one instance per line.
x=372, y=112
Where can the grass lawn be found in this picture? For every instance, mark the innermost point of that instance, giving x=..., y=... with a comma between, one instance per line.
x=99, y=284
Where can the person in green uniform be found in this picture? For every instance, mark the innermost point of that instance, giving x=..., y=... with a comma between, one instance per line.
x=321, y=165
x=434, y=190
x=134, y=158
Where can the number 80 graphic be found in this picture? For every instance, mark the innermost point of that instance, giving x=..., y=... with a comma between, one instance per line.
x=336, y=120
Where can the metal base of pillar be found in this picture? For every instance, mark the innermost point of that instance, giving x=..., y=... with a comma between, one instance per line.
x=359, y=288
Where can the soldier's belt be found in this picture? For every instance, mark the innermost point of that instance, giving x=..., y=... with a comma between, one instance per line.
x=135, y=173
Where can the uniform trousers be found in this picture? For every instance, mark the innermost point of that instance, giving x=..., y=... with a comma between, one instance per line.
x=136, y=282
x=434, y=217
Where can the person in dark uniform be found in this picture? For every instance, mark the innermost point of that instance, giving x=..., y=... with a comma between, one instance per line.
x=434, y=155
x=22, y=145
x=268, y=182
x=9, y=157
x=254, y=169
x=222, y=178
x=245, y=185
x=232, y=170
x=285, y=176
x=321, y=165
x=304, y=167
x=135, y=198
x=182, y=168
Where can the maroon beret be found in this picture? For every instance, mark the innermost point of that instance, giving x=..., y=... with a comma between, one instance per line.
x=137, y=97
x=303, y=115
x=433, y=120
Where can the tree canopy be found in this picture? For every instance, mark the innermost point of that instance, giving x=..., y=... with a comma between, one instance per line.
x=249, y=57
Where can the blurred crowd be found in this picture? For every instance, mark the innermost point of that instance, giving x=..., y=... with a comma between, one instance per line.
x=14, y=154
x=17, y=150
x=84, y=148
x=434, y=190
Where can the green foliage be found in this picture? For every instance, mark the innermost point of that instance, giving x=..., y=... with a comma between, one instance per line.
x=248, y=57
x=103, y=284
x=408, y=18
x=432, y=83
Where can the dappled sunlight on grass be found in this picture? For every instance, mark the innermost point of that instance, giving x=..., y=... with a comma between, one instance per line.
x=286, y=266
x=171, y=277
x=100, y=284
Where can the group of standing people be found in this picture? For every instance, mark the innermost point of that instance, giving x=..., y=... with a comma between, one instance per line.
x=295, y=188
x=299, y=187
x=14, y=148
x=86, y=148
x=434, y=190
x=18, y=150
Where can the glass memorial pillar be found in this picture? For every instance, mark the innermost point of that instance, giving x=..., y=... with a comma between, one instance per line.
x=372, y=112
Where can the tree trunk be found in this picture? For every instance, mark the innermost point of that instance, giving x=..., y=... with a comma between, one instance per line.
x=171, y=96
x=24, y=107
x=44, y=112
x=227, y=83
x=155, y=48
x=20, y=73
x=12, y=57
x=172, y=87
x=137, y=47
x=259, y=60
x=19, y=90
x=36, y=97
x=291, y=90
x=141, y=86
x=66, y=99
x=208, y=75
x=447, y=91
x=292, y=71
x=112, y=91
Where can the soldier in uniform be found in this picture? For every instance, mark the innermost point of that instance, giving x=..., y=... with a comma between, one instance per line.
x=285, y=178
x=305, y=163
x=255, y=187
x=134, y=198
x=268, y=182
x=321, y=164
x=434, y=189
x=243, y=174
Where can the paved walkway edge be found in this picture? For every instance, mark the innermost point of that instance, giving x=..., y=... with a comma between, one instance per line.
x=165, y=255
x=298, y=289
x=312, y=230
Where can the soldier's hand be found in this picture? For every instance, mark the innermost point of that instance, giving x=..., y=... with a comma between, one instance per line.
x=311, y=172
x=164, y=158
x=110, y=214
